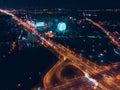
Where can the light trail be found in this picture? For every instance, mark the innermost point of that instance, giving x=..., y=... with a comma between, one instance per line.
x=91, y=79
x=110, y=36
x=85, y=65
x=28, y=27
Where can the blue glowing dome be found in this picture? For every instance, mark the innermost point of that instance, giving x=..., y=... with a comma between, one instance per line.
x=61, y=26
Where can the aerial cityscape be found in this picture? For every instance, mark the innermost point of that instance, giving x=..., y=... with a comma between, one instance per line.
x=59, y=48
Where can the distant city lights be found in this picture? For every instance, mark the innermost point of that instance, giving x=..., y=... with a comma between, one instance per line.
x=80, y=44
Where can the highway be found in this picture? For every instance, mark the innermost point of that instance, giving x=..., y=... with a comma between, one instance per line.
x=109, y=35
x=108, y=81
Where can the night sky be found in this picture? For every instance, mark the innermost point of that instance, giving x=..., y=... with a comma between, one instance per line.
x=83, y=4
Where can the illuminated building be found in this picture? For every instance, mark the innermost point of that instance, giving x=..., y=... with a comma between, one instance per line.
x=61, y=26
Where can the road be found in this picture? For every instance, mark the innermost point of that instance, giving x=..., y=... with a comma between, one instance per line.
x=90, y=69
x=110, y=36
